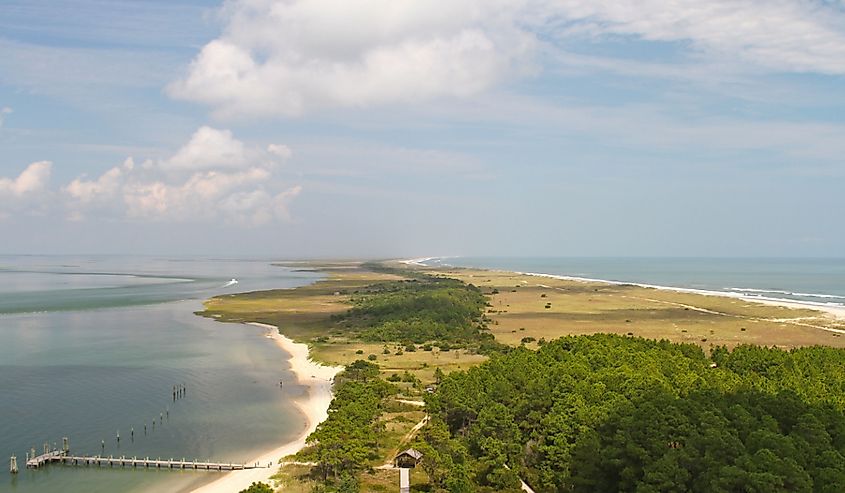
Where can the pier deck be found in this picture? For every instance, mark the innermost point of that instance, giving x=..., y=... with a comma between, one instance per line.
x=59, y=456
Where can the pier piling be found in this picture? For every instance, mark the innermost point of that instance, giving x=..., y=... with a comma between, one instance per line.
x=13, y=465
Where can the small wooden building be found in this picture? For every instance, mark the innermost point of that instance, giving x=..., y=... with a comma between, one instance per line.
x=407, y=458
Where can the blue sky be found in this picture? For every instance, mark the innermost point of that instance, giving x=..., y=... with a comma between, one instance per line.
x=423, y=127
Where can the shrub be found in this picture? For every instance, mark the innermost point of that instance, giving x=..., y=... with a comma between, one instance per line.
x=258, y=488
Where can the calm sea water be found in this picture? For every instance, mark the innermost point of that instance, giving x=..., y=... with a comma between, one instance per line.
x=819, y=281
x=92, y=346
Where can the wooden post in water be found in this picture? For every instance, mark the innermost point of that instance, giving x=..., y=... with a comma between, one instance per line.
x=118, y=436
x=32, y=453
x=65, y=444
x=13, y=465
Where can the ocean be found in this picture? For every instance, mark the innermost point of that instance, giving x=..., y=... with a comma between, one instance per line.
x=813, y=281
x=92, y=346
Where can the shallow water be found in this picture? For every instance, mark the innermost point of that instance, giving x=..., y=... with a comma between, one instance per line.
x=110, y=364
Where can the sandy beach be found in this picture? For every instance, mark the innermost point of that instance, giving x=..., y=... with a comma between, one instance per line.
x=318, y=378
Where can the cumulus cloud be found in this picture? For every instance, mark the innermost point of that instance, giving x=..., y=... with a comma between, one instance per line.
x=32, y=180
x=4, y=111
x=212, y=177
x=209, y=148
x=103, y=189
x=288, y=57
x=26, y=193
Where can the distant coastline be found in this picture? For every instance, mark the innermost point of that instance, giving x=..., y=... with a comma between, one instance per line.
x=836, y=310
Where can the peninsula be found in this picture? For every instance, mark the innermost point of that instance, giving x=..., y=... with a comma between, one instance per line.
x=409, y=335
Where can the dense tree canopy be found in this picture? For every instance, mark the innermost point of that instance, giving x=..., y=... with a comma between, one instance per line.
x=419, y=310
x=609, y=413
x=345, y=441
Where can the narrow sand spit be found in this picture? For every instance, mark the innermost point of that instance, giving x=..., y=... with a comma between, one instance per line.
x=318, y=378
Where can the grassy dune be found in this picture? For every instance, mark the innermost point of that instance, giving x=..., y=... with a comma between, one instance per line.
x=519, y=309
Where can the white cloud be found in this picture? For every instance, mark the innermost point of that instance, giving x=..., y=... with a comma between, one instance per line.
x=285, y=58
x=213, y=177
x=32, y=180
x=26, y=193
x=780, y=35
x=280, y=150
x=209, y=149
x=288, y=57
x=4, y=111
x=103, y=189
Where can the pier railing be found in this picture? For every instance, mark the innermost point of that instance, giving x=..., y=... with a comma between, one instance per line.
x=66, y=458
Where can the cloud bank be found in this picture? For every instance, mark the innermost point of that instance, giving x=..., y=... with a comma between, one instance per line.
x=289, y=57
x=213, y=177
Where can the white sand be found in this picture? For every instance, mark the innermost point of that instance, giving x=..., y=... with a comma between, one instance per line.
x=314, y=407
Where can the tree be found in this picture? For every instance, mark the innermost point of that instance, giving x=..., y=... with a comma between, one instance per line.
x=258, y=488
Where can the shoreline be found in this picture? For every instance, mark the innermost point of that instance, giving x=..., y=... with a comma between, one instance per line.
x=835, y=310
x=314, y=406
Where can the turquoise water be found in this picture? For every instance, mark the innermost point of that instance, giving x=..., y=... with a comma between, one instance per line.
x=93, y=346
x=819, y=281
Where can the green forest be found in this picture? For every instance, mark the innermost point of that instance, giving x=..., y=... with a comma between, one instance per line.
x=605, y=413
x=345, y=442
x=423, y=309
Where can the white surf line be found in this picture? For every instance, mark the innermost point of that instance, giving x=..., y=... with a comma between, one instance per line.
x=835, y=312
x=791, y=321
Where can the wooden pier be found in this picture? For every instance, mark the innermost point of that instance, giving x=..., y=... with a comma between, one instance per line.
x=64, y=457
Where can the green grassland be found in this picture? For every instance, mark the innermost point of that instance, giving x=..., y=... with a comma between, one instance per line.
x=544, y=308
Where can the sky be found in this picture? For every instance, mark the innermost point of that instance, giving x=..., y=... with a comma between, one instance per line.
x=385, y=128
